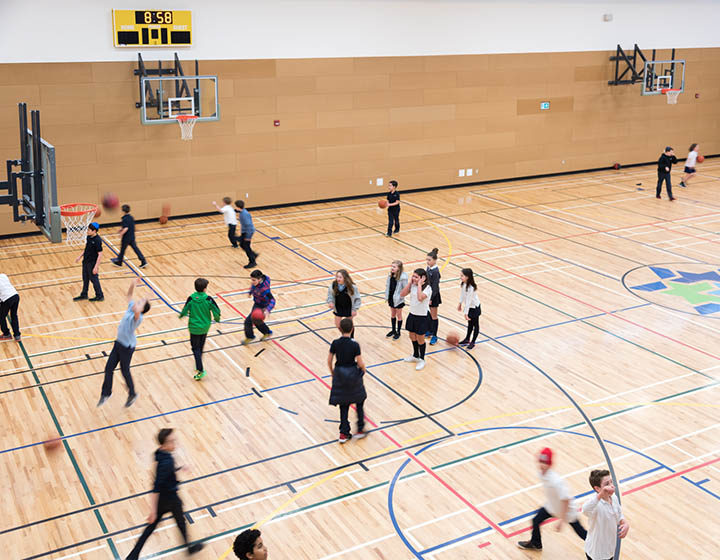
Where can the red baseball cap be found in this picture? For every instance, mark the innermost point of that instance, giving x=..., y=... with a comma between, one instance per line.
x=545, y=456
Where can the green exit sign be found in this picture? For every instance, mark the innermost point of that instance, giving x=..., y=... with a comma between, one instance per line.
x=544, y=105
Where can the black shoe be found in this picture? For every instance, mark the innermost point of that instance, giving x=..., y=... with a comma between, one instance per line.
x=471, y=346
x=388, y=235
x=79, y=298
x=463, y=342
x=97, y=298
x=682, y=184
x=143, y=265
x=103, y=400
x=397, y=230
x=130, y=400
x=672, y=198
x=252, y=264
x=391, y=333
x=197, y=547
x=657, y=196
x=397, y=335
x=116, y=262
x=529, y=545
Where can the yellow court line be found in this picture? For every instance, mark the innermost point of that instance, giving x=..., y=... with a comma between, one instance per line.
x=60, y=337
x=449, y=255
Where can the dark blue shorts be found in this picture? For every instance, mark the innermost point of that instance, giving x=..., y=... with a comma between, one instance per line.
x=689, y=170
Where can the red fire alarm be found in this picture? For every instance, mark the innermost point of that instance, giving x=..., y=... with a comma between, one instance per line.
x=276, y=123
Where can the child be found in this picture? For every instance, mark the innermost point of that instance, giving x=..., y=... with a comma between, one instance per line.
x=606, y=521
x=9, y=301
x=202, y=309
x=91, y=257
x=127, y=231
x=230, y=218
x=164, y=495
x=246, y=232
x=665, y=164
x=347, y=380
x=418, y=322
x=124, y=346
x=470, y=306
x=558, y=503
x=343, y=297
x=393, y=208
x=263, y=300
x=433, y=280
x=395, y=284
x=690, y=164
x=249, y=545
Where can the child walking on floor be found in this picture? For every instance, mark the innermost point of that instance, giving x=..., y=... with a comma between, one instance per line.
x=558, y=503
x=202, y=309
x=91, y=257
x=246, y=232
x=433, y=280
x=417, y=322
x=263, y=301
x=127, y=231
x=395, y=284
x=9, y=301
x=605, y=518
x=343, y=297
x=470, y=306
x=230, y=218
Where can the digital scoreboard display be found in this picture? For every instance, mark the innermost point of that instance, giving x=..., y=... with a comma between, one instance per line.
x=152, y=28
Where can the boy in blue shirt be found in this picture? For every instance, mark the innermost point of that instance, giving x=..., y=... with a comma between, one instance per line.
x=246, y=232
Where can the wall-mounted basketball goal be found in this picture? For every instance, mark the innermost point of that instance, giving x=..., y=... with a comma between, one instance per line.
x=658, y=77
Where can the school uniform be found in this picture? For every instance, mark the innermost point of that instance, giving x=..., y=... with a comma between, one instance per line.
x=433, y=280
x=603, y=520
x=9, y=302
x=262, y=299
x=417, y=321
x=93, y=248
x=247, y=228
x=393, y=289
x=393, y=213
x=122, y=352
x=664, y=167
x=230, y=219
x=347, y=382
x=345, y=303
x=128, y=240
x=470, y=304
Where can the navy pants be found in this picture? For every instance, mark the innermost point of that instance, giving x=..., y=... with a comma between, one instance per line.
x=10, y=306
x=170, y=503
x=122, y=354
x=541, y=516
x=345, y=424
x=261, y=326
x=393, y=220
x=668, y=186
x=124, y=244
x=88, y=276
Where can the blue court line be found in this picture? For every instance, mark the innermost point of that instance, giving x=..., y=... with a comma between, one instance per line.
x=287, y=410
x=294, y=251
x=700, y=485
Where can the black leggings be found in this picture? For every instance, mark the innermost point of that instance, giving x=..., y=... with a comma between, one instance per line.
x=473, y=327
x=166, y=504
x=197, y=343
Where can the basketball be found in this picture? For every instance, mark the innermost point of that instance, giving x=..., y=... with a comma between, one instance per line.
x=110, y=200
x=163, y=219
x=257, y=314
x=452, y=338
x=382, y=203
x=166, y=210
x=700, y=159
x=52, y=445
x=98, y=212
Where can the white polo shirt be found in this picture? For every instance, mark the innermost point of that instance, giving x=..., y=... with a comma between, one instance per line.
x=603, y=519
x=556, y=491
x=691, y=159
x=229, y=215
x=420, y=308
x=468, y=298
x=6, y=288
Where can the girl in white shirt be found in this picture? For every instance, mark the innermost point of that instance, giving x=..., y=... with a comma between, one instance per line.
x=690, y=165
x=470, y=306
x=418, y=322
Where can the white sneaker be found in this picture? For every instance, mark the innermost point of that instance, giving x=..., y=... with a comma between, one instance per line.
x=411, y=359
x=420, y=365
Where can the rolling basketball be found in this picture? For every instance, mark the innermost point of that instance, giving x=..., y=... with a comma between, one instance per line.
x=163, y=219
x=52, y=445
x=452, y=338
x=110, y=201
x=382, y=203
x=700, y=159
x=257, y=314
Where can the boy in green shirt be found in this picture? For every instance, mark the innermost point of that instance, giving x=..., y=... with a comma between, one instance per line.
x=202, y=309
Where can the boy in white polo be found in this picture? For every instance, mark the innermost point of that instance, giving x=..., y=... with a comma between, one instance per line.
x=230, y=218
x=9, y=301
x=558, y=503
x=606, y=521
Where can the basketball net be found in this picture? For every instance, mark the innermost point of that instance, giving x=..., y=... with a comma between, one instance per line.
x=187, y=123
x=672, y=95
x=75, y=219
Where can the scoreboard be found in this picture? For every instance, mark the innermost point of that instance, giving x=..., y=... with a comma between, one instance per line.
x=152, y=28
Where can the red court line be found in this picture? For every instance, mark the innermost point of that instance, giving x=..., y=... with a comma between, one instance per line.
x=673, y=475
x=690, y=346
x=686, y=234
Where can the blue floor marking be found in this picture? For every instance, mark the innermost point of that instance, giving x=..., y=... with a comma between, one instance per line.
x=296, y=252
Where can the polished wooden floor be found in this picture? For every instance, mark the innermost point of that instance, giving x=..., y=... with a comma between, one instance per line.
x=583, y=348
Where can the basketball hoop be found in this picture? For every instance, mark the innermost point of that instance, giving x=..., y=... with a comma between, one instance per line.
x=672, y=95
x=187, y=123
x=76, y=218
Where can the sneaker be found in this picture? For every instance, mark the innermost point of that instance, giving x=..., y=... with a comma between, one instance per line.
x=397, y=335
x=397, y=231
x=433, y=340
x=103, y=400
x=197, y=547
x=250, y=265
x=247, y=341
x=420, y=365
x=18, y=338
x=388, y=235
x=97, y=298
x=360, y=434
x=428, y=334
x=344, y=438
x=266, y=336
x=471, y=346
x=79, y=298
x=529, y=545
x=682, y=184
x=671, y=199
x=411, y=359
x=143, y=265
x=199, y=375
x=463, y=342
x=116, y=262
x=657, y=196
x=130, y=400
x=391, y=333
x=5, y=337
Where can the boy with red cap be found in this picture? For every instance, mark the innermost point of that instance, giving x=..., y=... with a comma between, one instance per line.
x=558, y=503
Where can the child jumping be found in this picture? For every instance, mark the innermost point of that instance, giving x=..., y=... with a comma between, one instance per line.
x=202, y=309
x=433, y=280
x=127, y=239
x=262, y=300
x=395, y=284
x=605, y=518
x=417, y=322
x=470, y=307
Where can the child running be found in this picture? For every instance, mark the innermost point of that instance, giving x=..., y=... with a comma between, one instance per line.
x=264, y=301
x=393, y=208
x=470, y=307
x=230, y=218
x=246, y=232
x=690, y=165
x=606, y=520
x=433, y=280
x=395, y=284
x=343, y=297
x=417, y=321
x=347, y=380
x=127, y=233
x=202, y=309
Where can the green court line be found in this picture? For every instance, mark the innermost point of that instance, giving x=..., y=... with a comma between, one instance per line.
x=73, y=460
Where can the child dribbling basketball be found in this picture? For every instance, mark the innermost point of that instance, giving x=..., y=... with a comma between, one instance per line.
x=395, y=284
x=418, y=322
x=263, y=301
x=690, y=164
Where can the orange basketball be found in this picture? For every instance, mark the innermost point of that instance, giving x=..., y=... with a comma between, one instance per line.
x=700, y=159
x=110, y=200
x=98, y=212
x=382, y=203
x=163, y=219
x=452, y=338
x=52, y=445
x=257, y=314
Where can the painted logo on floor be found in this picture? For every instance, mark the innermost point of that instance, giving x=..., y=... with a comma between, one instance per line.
x=687, y=287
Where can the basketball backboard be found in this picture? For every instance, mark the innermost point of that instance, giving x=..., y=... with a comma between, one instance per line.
x=163, y=98
x=663, y=74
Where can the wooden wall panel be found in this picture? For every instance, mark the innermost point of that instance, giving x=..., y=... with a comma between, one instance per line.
x=345, y=122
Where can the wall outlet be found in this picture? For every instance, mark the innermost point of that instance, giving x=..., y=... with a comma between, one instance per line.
x=468, y=172
x=461, y=173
